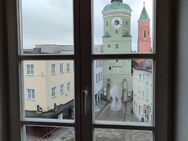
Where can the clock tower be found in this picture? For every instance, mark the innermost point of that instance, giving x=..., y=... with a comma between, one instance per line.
x=117, y=40
x=116, y=32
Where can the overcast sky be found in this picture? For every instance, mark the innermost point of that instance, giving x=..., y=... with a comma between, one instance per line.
x=51, y=21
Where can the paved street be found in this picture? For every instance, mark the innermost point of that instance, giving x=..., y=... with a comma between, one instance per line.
x=104, y=112
x=62, y=134
x=123, y=115
x=122, y=135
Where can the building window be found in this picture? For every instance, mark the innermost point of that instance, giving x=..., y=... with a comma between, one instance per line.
x=68, y=86
x=144, y=33
x=117, y=46
x=62, y=89
x=126, y=22
x=101, y=76
x=30, y=69
x=31, y=94
x=53, y=69
x=108, y=46
x=107, y=23
x=116, y=31
x=140, y=76
x=68, y=67
x=61, y=67
x=53, y=92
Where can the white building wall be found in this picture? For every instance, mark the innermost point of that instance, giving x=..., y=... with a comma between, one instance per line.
x=143, y=94
x=98, y=82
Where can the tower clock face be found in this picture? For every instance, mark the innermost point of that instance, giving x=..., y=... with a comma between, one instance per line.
x=117, y=22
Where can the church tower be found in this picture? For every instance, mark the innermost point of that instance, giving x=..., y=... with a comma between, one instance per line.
x=144, y=39
x=117, y=40
x=116, y=31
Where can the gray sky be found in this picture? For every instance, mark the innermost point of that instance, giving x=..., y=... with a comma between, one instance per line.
x=51, y=21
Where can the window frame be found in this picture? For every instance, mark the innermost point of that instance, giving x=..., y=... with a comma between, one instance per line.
x=62, y=89
x=82, y=15
x=53, y=69
x=61, y=68
x=30, y=70
x=27, y=93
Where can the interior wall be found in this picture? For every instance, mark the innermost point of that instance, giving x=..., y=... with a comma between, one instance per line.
x=182, y=74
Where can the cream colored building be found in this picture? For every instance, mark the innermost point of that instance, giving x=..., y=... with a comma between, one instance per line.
x=48, y=87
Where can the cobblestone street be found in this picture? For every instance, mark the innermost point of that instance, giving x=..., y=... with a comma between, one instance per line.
x=62, y=134
x=122, y=135
x=123, y=115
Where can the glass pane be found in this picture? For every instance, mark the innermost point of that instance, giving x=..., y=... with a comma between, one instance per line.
x=47, y=26
x=48, y=90
x=123, y=91
x=122, y=26
x=122, y=135
x=50, y=133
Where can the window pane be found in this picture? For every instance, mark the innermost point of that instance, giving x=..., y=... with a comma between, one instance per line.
x=50, y=133
x=47, y=26
x=122, y=135
x=122, y=26
x=44, y=92
x=123, y=92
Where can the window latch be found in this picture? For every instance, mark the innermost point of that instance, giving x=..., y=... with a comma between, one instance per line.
x=85, y=94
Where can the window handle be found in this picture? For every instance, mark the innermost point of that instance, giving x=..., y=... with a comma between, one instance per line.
x=85, y=94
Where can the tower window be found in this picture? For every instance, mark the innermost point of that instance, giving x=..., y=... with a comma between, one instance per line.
x=144, y=33
x=106, y=23
x=148, y=32
x=117, y=46
x=126, y=22
x=116, y=31
x=109, y=68
x=108, y=46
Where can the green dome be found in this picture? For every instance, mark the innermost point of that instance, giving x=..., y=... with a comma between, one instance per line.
x=117, y=4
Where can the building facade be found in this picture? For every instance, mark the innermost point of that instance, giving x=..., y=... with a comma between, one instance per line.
x=97, y=81
x=143, y=91
x=49, y=88
x=117, y=40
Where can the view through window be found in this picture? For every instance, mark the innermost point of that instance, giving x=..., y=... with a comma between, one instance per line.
x=123, y=88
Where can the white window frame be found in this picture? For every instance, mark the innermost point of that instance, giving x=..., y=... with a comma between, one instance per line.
x=53, y=69
x=68, y=67
x=55, y=92
x=61, y=68
x=27, y=94
x=29, y=69
x=68, y=86
x=62, y=89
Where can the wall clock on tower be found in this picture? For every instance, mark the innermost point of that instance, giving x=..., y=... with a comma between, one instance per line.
x=117, y=22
